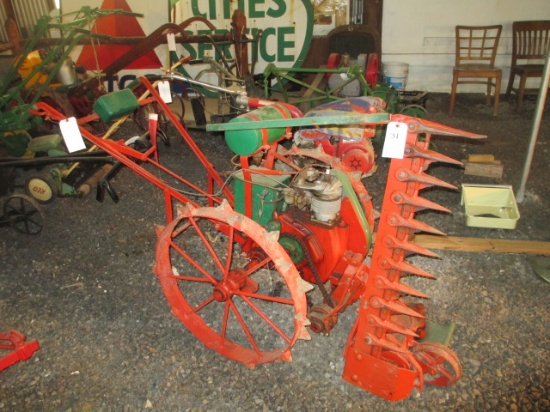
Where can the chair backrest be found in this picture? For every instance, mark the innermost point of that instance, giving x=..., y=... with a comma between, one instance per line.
x=531, y=40
x=477, y=44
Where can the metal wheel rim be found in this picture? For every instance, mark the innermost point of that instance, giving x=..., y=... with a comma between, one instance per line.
x=224, y=325
x=27, y=215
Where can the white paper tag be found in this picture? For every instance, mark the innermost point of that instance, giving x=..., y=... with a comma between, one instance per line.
x=171, y=41
x=71, y=135
x=164, y=91
x=396, y=137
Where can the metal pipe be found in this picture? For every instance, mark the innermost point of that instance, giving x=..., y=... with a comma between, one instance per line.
x=203, y=84
x=40, y=161
x=536, y=127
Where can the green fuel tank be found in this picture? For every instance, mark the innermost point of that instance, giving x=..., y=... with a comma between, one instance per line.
x=246, y=142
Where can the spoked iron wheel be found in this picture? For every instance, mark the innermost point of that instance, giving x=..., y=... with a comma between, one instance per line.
x=24, y=214
x=231, y=284
x=440, y=364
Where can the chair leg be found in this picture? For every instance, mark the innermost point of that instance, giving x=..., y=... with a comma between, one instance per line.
x=521, y=92
x=510, y=83
x=453, y=93
x=498, y=82
x=488, y=95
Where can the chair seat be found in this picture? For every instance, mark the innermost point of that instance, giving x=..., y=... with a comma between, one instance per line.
x=476, y=70
x=530, y=70
x=473, y=66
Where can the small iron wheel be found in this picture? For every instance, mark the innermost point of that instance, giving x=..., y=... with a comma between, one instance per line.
x=24, y=214
x=440, y=363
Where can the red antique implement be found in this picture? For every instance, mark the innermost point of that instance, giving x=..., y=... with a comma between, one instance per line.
x=239, y=263
x=18, y=349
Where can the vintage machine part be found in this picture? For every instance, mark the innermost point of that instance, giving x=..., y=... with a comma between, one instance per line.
x=249, y=310
x=22, y=213
x=19, y=350
x=380, y=355
x=240, y=288
x=350, y=143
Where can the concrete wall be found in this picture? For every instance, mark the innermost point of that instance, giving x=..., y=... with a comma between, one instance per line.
x=421, y=33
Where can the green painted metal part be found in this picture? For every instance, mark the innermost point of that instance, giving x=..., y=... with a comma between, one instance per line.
x=440, y=333
x=245, y=142
x=266, y=199
x=115, y=105
x=350, y=193
x=389, y=94
x=293, y=248
x=15, y=142
x=285, y=76
x=376, y=118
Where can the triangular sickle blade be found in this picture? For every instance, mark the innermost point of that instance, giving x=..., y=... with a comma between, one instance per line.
x=415, y=151
x=416, y=125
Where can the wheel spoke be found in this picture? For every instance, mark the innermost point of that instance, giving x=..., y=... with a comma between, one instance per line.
x=208, y=246
x=193, y=263
x=190, y=278
x=267, y=298
x=202, y=305
x=244, y=327
x=266, y=319
x=225, y=320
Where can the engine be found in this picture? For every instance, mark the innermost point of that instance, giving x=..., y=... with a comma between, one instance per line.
x=352, y=144
x=319, y=223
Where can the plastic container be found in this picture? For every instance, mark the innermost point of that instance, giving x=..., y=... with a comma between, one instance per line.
x=396, y=74
x=490, y=206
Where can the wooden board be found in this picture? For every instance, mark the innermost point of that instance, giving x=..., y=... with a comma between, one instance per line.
x=469, y=244
x=494, y=170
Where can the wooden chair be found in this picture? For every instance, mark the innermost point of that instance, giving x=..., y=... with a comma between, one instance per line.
x=476, y=49
x=530, y=43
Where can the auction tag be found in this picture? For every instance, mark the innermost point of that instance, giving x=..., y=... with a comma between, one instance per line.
x=396, y=137
x=164, y=91
x=171, y=40
x=71, y=135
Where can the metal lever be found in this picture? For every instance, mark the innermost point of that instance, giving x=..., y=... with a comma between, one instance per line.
x=104, y=185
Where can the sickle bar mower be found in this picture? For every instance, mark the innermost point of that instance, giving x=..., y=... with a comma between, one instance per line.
x=236, y=266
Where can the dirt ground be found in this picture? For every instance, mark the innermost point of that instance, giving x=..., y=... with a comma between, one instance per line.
x=84, y=288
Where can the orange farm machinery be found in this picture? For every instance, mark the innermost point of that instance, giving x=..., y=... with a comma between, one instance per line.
x=242, y=258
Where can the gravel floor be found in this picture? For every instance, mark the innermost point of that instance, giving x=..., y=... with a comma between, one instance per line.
x=84, y=288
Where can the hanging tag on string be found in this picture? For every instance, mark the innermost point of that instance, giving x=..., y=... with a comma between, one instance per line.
x=164, y=91
x=171, y=41
x=71, y=135
x=153, y=121
x=394, y=143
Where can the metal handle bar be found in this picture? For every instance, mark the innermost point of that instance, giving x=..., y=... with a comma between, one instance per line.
x=174, y=76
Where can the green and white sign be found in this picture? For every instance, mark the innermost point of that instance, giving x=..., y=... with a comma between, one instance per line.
x=286, y=27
